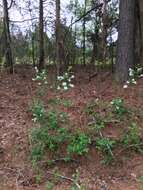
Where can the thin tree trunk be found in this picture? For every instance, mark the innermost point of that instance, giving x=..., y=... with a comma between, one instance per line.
x=41, y=36
x=58, y=23
x=7, y=38
x=84, y=34
x=75, y=32
x=33, y=50
x=104, y=31
x=125, y=50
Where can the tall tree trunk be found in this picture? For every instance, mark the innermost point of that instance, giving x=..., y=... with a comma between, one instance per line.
x=125, y=50
x=7, y=38
x=139, y=32
x=58, y=31
x=33, y=50
x=75, y=32
x=41, y=36
x=84, y=33
x=104, y=30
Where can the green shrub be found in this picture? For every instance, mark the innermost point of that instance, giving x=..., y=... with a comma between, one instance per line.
x=106, y=145
x=38, y=111
x=52, y=120
x=37, y=152
x=79, y=144
x=132, y=138
x=119, y=107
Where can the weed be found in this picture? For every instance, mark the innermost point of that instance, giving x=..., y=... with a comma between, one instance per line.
x=79, y=144
x=63, y=117
x=38, y=111
x=118, y=107
x=90, y=107
x=49, y=186
x=41, y=77
x=37, y=153
x=106, y=145
x=134, y=75
x=132, y=137
x=48, y=137
x=38, y=178
x=98, y=126
x=65, y=102
x=52, y=119
x=75, y=185
x=64, y=82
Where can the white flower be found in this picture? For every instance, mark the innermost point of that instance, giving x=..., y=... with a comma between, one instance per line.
x=64, y=84
x=139, y=69
x=128, y=82
x=131, y=73
x=65, y=88
x=60, y=77
x=45, y=82
x=38, y=77
x=58, y=88
x=97, y=99
x=36, y=69
x=39, y=84
x=141, y=75
x=134, y=82
x=111, y=102
x=34, y=119
x=71, y=85
x=72, y=77
x=125, y=86
x=33, y=79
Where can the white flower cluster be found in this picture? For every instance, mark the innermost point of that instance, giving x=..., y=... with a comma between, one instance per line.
x=65, y=81
x=41, y=77
x=118, y=105
x=134, y=74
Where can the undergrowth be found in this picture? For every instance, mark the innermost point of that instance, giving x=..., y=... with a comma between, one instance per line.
x=53, y=137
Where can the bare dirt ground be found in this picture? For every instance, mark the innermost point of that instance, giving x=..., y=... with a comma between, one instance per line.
x=16, y=173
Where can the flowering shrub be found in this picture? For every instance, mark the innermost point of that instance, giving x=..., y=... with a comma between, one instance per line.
x=64, y=82
x=41, y=77
x=134, y=74
x=38, y=111
x=118, y=106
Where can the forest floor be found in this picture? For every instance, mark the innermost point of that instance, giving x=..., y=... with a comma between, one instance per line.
x=16, y=172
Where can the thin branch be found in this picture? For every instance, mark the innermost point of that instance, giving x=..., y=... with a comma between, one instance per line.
x=21, y=21
x=88, y=12
x=66, y=178
x=12, y=1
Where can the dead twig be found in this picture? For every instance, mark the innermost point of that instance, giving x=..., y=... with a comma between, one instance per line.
x=66, y=178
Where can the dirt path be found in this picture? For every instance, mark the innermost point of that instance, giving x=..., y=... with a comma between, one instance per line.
x=14, y=126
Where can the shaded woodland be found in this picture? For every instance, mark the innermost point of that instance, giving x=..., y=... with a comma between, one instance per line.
x=71, y=95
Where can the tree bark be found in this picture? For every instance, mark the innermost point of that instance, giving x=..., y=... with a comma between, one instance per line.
x=58, y=23
x=7, y=38
x=139, y=32
x=84, y=33
x=126, y=38
x=104, y=30
x=41, y=36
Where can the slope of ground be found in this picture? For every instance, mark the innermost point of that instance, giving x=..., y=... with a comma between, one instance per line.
x=16, y=173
